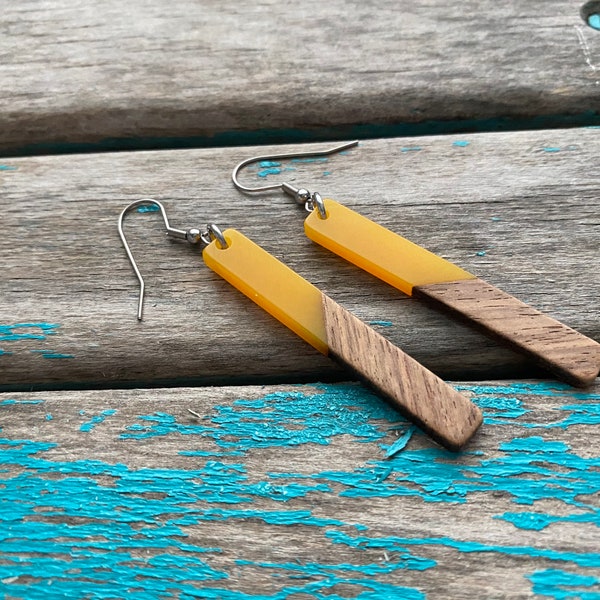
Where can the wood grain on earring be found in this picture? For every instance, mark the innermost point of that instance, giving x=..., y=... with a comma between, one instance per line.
x=562, y=350
x=445, y=414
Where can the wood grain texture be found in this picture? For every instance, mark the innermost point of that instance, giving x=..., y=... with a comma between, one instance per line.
x=448, y=416
x=518, y=210
x=79, y=71
x=570, y=355
x=286, y=491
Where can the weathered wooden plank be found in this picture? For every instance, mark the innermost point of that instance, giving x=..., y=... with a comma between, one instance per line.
x=286, y=491
x=78, y=72
x=518, y=210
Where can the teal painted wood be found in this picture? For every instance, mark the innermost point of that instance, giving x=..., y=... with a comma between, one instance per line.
x=288, y=492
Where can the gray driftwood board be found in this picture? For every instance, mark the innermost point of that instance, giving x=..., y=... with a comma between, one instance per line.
x=81, y=72
x=285, y=492
x=517, y=209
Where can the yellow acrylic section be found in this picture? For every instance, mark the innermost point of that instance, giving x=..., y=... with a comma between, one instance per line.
x=271, y=284
x=379, y=251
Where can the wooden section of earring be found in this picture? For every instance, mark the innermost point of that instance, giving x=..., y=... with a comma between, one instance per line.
x=416, y=271
x=441, y=411
x=562, y=350
x=424, y=398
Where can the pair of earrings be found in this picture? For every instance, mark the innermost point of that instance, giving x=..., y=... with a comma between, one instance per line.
x=446, y=415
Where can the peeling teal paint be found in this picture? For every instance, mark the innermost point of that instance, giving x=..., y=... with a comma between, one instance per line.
x=271, y=167
x=556, y=149
x=562, y=585
x=406, y=561
x=7, y=168
x=542, y=388
x=4, y=352
x=323, y=416
x=460, y=143
x=272, y=517
x=96, y=420
x=146, y=208
x=398, y=544
x=12, y=401
x=381, y=323
x=400, y=443
x=269, y=171
x=331, y=575
x=505, y=408
x=14, y=332
x=109, y=529
x=538, y=521
x=410, y=148
x=51, y=354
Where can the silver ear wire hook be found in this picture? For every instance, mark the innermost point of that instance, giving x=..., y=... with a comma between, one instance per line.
x=286, y=187
x=192, y=236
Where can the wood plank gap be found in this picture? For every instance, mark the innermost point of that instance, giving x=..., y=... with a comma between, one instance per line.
x=361, y=131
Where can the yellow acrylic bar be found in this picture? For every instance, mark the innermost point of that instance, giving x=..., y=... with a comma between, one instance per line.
x=271, y=284
x=379, y=251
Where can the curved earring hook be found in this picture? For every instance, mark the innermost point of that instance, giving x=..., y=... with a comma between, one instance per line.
x=192, y=235
x=284, y=186
x=177, y=232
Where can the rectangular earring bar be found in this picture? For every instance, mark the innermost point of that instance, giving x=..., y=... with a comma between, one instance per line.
x=272, y=285
x=441, y=411
x=377, y=250
x=420, y=273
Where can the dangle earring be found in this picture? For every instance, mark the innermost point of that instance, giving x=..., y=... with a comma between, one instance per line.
x=441, y=411
x=417, y=272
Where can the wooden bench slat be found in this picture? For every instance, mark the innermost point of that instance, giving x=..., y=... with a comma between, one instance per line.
x=75, y=74
x=281, y=489
x=518, y=210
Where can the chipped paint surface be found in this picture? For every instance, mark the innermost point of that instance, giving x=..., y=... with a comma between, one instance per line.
x=146, y=208
x=97, y=529
x=51, y=354
x=381, y=323
x=11, y=401
x=27, y=331
x=556, y=583
x=35, y=331
x=96, y=419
